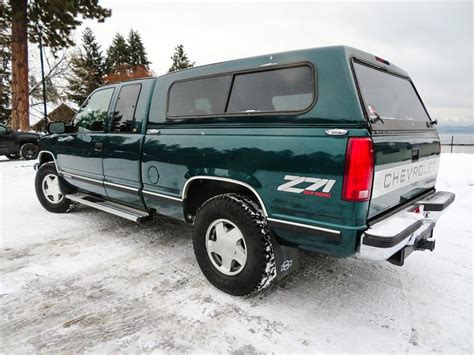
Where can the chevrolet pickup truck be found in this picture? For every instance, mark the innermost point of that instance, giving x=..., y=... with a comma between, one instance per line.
x=328, y=149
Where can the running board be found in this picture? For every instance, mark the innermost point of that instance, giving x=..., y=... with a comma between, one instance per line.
x=117, y=209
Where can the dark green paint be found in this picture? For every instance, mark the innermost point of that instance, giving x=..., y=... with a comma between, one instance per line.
x=258, y=150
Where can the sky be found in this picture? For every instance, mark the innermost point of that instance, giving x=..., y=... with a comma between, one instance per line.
x=432, y=41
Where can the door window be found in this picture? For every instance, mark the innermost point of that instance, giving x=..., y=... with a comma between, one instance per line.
x=123, y=118
x=93, y=113
x=3, y=130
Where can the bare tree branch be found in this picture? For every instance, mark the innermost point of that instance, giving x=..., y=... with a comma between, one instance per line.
x=57, y=68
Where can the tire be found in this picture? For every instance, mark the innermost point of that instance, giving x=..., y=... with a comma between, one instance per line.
x=252, y=266
x=29, y=151
x=51, y=196
x=13, y=156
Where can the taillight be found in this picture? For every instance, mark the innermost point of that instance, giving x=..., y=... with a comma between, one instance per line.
x=381, y=60
x=359, y=170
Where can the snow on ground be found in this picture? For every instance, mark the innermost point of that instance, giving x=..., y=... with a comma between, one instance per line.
x=88, y=281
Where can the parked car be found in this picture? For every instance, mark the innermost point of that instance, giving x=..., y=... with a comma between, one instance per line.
x=329, y=150
x=16, y=145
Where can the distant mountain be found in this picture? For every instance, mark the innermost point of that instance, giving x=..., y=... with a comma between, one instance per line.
x=456, y=127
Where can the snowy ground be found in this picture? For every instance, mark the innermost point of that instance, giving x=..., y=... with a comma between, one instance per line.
x=88, y=281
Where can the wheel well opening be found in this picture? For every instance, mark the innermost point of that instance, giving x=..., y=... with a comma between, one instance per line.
x=45, y=158
x=201, y=190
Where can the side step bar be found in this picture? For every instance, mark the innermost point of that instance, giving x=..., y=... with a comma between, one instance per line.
x=129, y=213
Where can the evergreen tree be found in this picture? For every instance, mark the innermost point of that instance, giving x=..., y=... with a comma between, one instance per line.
x=180, y=59
x=5, y=69
x=55, y=22
x=88, y=69
x=118, y=54
x=138, y=56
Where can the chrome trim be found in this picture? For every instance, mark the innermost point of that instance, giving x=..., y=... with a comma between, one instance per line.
x=121, y=186
x=129, y=213
x=79, y=177
x=369, y=252
x=52, y=155
x=384, y=228
x=205, y=177
x=153, y=131
x=161, y=195
x=336, y=132
x=71, y=175
x=304, y=225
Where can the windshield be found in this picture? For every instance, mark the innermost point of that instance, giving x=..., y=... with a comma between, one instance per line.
x=388, y=96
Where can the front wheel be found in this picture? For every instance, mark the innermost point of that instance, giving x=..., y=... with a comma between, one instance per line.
x=29, y=151
x=13, y=156
x=232, y=245
x=49, y=191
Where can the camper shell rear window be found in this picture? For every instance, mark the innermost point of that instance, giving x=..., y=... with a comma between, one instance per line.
x=288, y=89
x=390, y=100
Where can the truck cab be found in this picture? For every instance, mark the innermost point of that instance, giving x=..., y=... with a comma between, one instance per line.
x=327, y=149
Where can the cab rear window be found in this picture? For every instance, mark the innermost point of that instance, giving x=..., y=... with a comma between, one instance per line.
x=388, y=96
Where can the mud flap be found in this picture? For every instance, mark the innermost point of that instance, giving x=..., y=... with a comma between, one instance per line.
x=287, y=259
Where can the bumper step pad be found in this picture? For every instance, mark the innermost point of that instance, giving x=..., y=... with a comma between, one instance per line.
x=396, y=236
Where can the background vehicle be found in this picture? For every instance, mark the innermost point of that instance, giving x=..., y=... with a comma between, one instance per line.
x=16, y=145
x=329, y=150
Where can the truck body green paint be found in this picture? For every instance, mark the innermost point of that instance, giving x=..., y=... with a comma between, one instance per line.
x=291, y=162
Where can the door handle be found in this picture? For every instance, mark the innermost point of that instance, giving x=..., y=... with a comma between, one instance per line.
x=153, y=131
x=98, y=147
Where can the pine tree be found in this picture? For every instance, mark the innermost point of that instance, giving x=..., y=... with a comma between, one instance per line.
x=118, y=54
x=5, y=69
x=138, y=56
x=88, y=69
x=55, y=22
x=180, y=59
x=127, y=60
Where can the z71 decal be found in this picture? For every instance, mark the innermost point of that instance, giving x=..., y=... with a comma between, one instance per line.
x=295, y=182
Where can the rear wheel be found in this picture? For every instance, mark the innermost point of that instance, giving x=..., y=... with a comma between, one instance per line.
x=49, y=190
x=232, y=245
x=29, y=151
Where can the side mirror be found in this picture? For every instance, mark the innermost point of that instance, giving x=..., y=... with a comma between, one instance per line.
x=56, y=127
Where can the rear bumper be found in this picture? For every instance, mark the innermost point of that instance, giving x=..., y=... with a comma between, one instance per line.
x=410, y=229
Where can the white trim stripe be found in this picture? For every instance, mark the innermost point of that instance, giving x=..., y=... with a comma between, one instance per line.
x=121, y=186
x=303, y=225
x=161, y=195
x=393, y=178
x=66, y=174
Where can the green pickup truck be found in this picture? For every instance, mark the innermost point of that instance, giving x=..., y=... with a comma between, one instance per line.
x=328, y=150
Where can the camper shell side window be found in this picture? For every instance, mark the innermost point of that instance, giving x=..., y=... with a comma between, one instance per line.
x=288, y=89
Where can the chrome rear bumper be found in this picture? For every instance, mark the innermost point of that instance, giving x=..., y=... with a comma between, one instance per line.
x=410, y=229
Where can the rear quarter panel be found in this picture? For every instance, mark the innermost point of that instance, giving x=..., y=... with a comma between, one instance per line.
x=262, y=158
x=261, y=150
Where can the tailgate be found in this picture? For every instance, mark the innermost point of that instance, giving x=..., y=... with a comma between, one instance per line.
x=406, y=165
x=406, y=145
